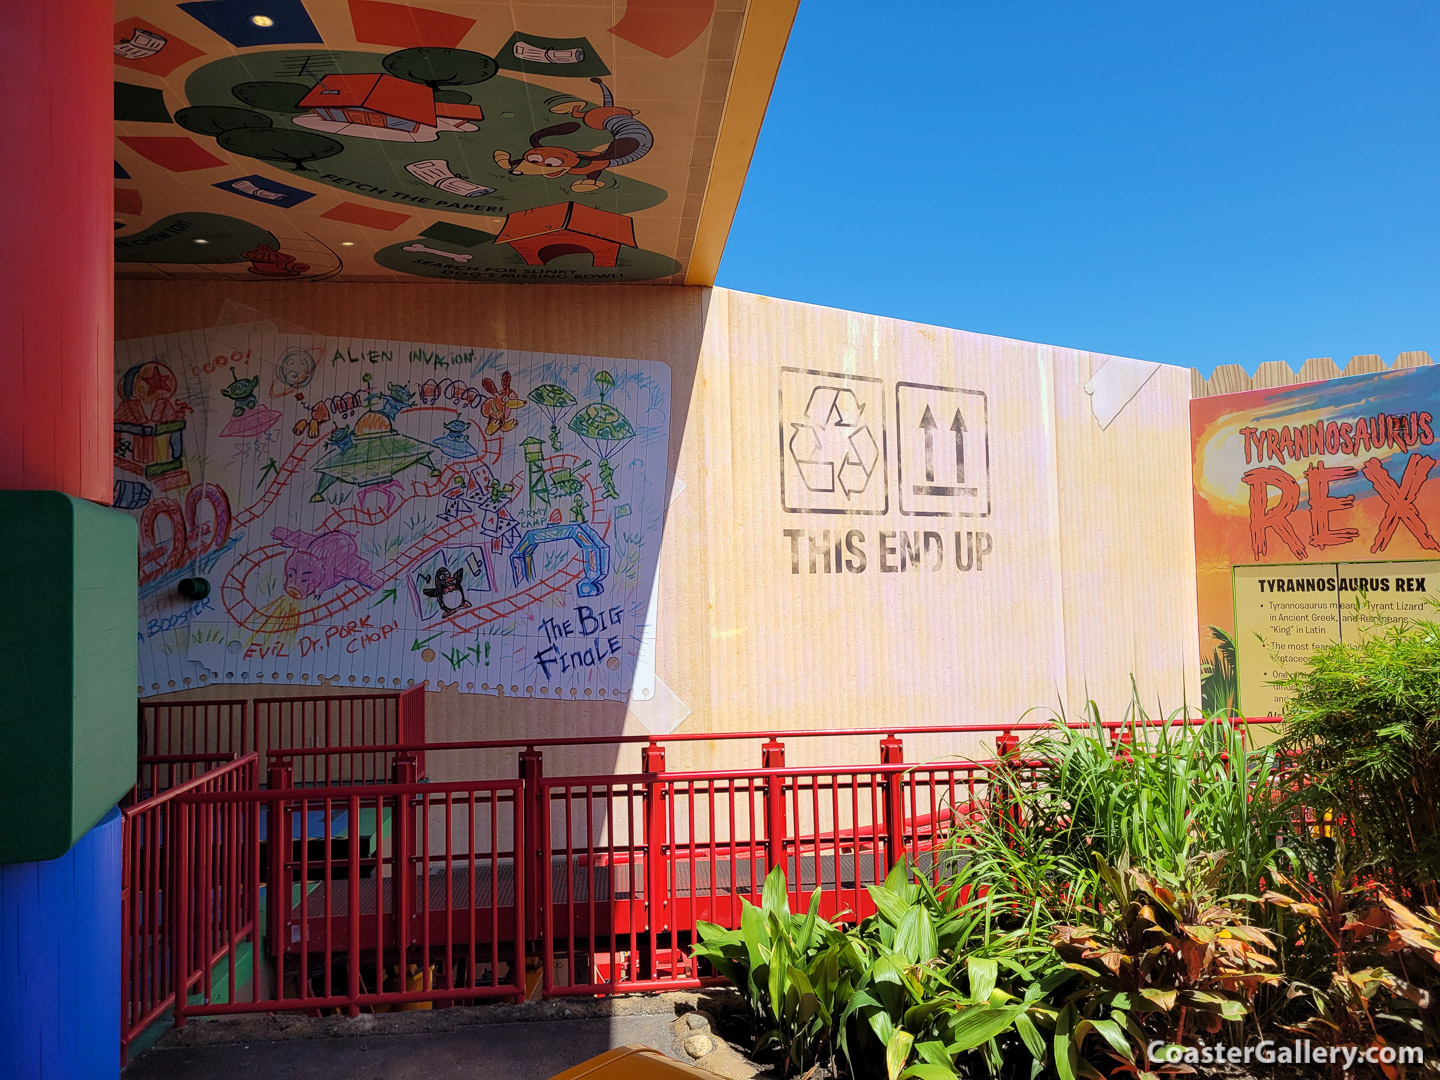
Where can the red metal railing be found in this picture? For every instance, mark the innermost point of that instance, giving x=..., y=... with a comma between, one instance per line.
x=157, y=773
x=631, y=863
x=337, y=726
x=373, y=897
x=317, y=763
x=196, y=727
x=350, y=726
x=148, y=895
x=376, y=895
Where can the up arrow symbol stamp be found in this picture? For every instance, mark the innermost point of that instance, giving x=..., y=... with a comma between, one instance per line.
x=958, y=427
x=930, y=487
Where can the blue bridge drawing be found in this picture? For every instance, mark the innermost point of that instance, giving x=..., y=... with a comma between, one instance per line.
x=594, y=550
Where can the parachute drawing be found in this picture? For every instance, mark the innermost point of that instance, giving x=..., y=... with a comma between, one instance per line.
x=604, y=431
x=553, y=401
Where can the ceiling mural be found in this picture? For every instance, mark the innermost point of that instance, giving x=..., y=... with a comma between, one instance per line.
x=465, y=140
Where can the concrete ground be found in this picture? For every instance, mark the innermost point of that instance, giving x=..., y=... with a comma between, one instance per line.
x=495, y=1042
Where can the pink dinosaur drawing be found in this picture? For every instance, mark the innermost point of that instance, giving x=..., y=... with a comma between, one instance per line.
x=318, y=562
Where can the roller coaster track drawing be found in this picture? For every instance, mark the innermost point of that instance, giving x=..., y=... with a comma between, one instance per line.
x=235, y=590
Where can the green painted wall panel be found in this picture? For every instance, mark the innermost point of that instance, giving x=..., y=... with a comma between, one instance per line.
x=68, y=599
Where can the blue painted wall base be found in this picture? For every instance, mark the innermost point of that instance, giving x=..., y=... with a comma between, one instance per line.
x=60, y=962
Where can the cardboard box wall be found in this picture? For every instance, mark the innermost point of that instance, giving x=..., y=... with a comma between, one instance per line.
x=1090, y=577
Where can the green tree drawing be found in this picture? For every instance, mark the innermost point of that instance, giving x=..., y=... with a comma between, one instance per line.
x=1219, y=677
x=440, y=67
x=282, y=97
x=218, y=119
x=278, y=144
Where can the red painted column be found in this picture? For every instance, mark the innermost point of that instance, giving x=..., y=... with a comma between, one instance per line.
x=57, y=277
x=56, y=359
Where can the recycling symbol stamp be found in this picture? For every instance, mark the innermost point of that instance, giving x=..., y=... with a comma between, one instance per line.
x=832, y=443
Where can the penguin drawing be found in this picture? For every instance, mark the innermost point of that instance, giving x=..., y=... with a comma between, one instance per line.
x=448, y=591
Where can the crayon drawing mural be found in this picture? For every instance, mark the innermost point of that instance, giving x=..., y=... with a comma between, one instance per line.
x=1316, y=521
x=369, y=140
x=387, y=513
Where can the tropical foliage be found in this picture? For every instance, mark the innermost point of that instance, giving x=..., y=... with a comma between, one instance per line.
x=1168, y=957
x=1113, y=894
x=1362, y=723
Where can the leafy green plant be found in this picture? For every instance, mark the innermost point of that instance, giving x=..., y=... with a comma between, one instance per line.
x=1348, y=978
x=797, y=971
x=927, y=988
x=1102, y=898
x=1021, y=858
x=949, y=992
x=1362, y=721
x=1168, y=958
x=1178, y=788
x=1329, y=908
x=1173, y=789
x=1414, y=947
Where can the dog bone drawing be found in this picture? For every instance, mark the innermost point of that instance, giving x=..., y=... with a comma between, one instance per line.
x=419, y=248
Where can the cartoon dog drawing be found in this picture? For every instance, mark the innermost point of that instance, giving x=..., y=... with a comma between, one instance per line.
x=496, y=408
x=630, y=140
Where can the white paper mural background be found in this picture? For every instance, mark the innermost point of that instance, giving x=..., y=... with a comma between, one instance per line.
x=386, y=513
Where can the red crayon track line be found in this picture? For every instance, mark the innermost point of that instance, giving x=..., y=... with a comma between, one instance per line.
x=277, y=482
x=353, y=515
x=232, y=591
x=243, y=611
x=473, y=618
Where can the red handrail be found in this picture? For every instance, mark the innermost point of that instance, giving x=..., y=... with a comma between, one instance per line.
x=890, y=730
x=609, y=871
x=149, y=928
x=414, y=877
x=274, y=723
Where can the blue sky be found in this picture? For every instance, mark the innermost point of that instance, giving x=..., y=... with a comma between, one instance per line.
x=1191, y=183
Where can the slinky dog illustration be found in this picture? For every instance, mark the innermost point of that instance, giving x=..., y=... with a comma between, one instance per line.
x=630, y=140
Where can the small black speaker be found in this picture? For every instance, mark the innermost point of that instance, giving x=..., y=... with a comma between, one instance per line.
x=194, y=588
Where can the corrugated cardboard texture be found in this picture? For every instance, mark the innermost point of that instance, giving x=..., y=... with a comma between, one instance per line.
x=1091, y=552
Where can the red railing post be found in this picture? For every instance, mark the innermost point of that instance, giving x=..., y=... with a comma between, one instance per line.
x=1121, y=741
x=278, y=779
x=1007, y=757
x=405, y=815
x=520, y=838
x=411, y=723
x=772, y=756
x=532, y=810
x=892, y=752
x=180, y=886
x=657, y=820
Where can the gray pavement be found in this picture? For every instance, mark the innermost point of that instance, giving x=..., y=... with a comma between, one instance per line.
x=506, y=1042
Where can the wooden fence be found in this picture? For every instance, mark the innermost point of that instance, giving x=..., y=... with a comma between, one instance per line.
x=1232, y=379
